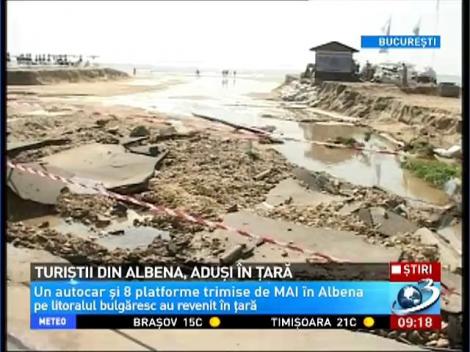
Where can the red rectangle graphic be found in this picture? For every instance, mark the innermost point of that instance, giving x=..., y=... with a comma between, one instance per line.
x=414, y=272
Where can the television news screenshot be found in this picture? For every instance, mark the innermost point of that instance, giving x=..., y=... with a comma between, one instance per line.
x=235, y=175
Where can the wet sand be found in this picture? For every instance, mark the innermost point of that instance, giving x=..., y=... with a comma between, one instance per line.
x=235, y=103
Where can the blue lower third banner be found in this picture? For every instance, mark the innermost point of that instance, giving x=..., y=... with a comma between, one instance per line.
x=54, y=304
x=401, y=41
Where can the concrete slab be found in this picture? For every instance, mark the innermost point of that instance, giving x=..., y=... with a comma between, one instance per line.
x=110, y=164
x=388, y=223
x=427, y=236
x=19, y=262
x=18, y=327
x=313, y=182
x=128, y=141
x=267, y=340
x=350, y=208
x=35, y=188
x=149, y=150
x=289, y=190
x=340, y=244
x=448, y=256
x=453, y=235
x=15, y=146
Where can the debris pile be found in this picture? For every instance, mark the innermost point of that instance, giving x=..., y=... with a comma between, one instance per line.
x=380, y=217
x=299, y=91
x=208, y=175
x=177, y=249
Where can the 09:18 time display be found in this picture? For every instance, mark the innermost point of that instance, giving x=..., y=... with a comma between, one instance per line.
x=415, y=322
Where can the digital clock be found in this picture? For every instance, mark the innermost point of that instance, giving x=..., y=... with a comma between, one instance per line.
x=415, y=322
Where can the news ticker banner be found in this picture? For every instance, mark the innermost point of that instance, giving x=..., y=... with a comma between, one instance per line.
x=81, y=297
x=401, y=41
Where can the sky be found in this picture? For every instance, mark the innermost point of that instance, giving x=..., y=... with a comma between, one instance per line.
x=230, y=34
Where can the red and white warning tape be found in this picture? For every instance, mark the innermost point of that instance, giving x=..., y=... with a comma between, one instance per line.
x=313, y=255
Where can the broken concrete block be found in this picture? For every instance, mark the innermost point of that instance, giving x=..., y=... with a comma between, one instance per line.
x=427, y=236
x=387, y=222
x=449, y=257
x=150, y=150
x=15, y=147
x=339, y=244
x=233, y=254
x=139, y=131
x=109, y=164
x=290, y=191
x=453, y=235
x=34, y=188
x=364, y=215
x=350, y=208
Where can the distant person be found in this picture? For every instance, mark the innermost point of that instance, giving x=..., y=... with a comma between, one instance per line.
x=134, y=71
x=234, y=73
x=198, y=73
x=404, y=76
x=376, y=161
x=79, y=61
x=367, y=72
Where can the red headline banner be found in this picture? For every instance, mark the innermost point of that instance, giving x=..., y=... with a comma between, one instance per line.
x=406, y=272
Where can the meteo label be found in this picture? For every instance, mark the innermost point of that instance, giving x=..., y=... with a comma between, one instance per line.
x=51, y=321
x=401, y=41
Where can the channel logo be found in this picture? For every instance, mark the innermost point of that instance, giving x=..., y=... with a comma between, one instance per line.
x=416, y=298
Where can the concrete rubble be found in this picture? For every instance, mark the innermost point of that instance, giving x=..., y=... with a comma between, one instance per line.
x=339, y=244
x=386, y=222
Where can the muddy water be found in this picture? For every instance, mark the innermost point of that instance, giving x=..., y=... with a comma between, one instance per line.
x=232, y=100
x=119, y=234
x=358, y=167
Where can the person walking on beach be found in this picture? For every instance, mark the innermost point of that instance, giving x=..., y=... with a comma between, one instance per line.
x=375, y=160
x=404, y=77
